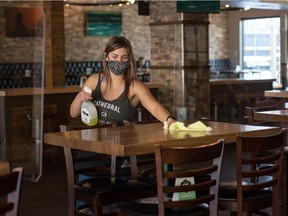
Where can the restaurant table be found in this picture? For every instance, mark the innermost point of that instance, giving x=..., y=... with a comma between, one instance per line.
x=280, y=116
x=140, y=139
x=276, y=93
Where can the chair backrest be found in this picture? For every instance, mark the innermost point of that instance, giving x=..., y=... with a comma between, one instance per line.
x=174, y=177
x=10, y=189
x=268, y=103
x=250, y=113
x=144, y=164
x=78, y=162
x=260, y=151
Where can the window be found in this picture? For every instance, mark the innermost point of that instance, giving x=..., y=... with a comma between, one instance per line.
x=261, y=46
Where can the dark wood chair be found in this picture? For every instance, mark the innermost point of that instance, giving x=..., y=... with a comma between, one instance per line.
x=250, y=115
x=262, y=105
x=146, y=168
x=246, y=194
x=177, y=168
x=105, y=187
x=268, y=102
x=10, y=191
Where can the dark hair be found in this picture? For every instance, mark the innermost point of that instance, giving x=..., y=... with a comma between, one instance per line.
x=117, y=42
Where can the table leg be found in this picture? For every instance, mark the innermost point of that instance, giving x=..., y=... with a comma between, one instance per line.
x=133, y=166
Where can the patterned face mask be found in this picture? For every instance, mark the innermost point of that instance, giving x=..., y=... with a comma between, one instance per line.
x=118, y=67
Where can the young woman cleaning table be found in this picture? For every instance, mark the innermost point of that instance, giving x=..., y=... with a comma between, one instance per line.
x=117, y=91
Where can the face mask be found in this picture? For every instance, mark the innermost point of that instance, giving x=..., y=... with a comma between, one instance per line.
x=118, y=67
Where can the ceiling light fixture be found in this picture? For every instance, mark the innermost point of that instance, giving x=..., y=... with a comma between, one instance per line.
x=100, y=3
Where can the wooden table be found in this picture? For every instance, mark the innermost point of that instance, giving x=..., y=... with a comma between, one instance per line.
x=140, y=139
x=276, y=94
x=280, y=116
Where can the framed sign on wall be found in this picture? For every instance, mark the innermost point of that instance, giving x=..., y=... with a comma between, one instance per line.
x=24, y=22
x=103, y=24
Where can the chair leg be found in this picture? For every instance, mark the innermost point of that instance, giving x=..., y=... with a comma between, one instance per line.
x=285, y=185
x=97, y=207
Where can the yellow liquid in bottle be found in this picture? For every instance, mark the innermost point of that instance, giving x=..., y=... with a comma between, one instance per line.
x=93, y=121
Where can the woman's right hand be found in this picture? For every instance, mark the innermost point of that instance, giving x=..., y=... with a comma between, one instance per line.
x=84, y=96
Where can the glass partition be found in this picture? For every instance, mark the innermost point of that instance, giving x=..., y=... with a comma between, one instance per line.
x=22, y=82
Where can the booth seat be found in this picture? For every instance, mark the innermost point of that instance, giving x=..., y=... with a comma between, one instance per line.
x=221, y=69
x=27, y=75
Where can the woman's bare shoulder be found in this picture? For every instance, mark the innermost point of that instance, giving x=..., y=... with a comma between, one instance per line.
x=137, y=86
x=92, y=81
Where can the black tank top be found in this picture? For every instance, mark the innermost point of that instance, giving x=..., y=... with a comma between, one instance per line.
x=114, y=111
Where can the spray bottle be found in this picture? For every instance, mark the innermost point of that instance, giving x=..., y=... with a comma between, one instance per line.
x=89, y=114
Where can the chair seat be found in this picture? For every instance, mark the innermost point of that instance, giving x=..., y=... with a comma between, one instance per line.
x=143, y=209
x=148, y=176
x=105, y=186
x=148, y=172
x=228, y=192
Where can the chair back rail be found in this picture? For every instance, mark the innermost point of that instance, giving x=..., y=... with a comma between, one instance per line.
x=261, y=151
x=169, y=166
x=72, y=159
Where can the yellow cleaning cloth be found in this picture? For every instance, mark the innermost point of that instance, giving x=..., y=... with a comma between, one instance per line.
x=199, y=126
x=179, y=126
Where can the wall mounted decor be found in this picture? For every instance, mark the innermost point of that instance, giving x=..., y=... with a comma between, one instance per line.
x=103, y=24
x=24, y=22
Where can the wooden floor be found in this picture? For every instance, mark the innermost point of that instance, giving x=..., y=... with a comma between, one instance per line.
x=48, y=197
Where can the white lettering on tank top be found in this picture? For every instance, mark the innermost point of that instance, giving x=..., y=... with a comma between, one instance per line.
x=108, y=106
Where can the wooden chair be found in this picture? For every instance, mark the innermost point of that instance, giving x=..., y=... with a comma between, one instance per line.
x=250, y=115
x=268, y=103
x=262, y=105
x=246, y=194
x=105, y=188
x=146, y=168
x=10, y=190
x=175, y=179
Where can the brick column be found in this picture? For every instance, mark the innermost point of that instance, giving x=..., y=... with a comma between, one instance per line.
x=54, y=44
x=179, y=59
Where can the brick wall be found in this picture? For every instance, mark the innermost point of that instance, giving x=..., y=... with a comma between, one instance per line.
x=218, y=36
x=78, y=47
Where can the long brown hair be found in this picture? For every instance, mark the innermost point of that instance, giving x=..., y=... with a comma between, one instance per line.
x=117, y=42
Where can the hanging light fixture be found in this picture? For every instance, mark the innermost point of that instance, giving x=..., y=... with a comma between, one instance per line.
x=99, y=2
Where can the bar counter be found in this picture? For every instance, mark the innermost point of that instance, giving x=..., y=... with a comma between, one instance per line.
x=229, y=97
x=240, y=81
x=53, y=90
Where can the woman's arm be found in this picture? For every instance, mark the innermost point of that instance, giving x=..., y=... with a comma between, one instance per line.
x=143, y=94
x=82, y=96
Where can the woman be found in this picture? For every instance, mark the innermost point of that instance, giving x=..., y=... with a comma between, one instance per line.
x=117, y=91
